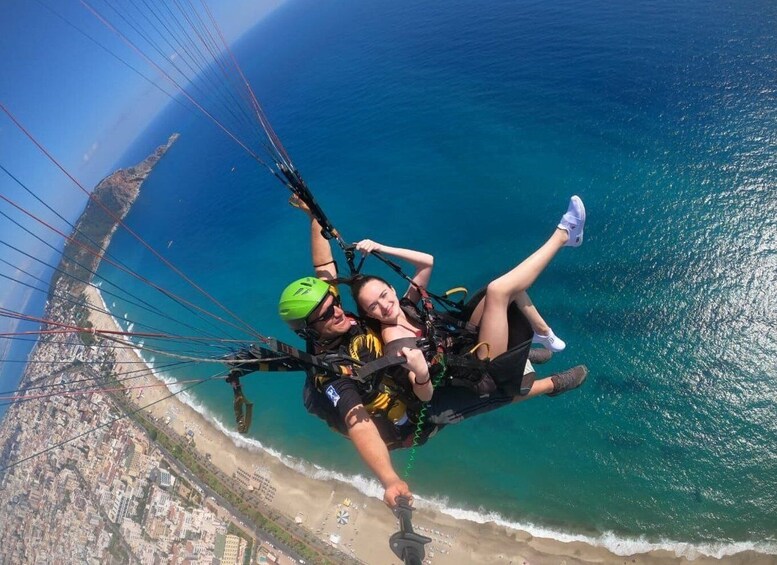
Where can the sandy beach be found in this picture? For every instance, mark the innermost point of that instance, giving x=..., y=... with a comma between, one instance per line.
x=316, y=503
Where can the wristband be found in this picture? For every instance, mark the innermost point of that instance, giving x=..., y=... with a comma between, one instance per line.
x=423, y=383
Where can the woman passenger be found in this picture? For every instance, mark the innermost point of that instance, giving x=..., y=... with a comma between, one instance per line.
x=378, y=300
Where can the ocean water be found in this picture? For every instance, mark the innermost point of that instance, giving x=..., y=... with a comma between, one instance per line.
x=461, y=128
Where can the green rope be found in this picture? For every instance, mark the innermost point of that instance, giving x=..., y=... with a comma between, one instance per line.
x=421, y=416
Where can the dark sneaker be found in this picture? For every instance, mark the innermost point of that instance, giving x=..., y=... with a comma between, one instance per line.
x=568, y=380
x=539, y=356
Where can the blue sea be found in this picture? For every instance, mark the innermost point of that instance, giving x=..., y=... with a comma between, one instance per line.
x=462, y=128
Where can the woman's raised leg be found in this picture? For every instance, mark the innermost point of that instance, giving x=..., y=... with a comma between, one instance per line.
x=508, y=287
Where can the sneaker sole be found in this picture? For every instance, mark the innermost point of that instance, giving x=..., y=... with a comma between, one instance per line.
x=539, y=356
x=585, y=377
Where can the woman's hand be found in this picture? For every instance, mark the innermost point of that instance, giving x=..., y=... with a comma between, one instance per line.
x=367, y=246
x=419, y=373
x=422, y=262
x=416, y=362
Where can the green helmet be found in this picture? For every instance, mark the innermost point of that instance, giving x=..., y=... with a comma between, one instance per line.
x=300, y=298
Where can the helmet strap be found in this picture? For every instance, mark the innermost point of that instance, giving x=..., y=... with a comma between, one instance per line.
x=307, y=333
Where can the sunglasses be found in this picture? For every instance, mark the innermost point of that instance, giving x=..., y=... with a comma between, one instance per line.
x=328, y=314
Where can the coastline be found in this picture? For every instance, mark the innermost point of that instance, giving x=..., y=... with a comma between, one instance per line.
x=459, y=536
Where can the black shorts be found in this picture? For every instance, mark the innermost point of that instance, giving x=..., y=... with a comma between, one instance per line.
x=451, y=405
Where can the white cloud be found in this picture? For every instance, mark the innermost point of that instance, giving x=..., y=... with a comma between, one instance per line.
x=237, y=17
x=16, y=299
x=15, y=296
x=90, y=153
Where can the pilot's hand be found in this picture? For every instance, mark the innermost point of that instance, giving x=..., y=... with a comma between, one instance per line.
x=298, y=203
x=395, y=489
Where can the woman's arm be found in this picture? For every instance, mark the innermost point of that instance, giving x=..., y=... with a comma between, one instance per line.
x=418, y=372
x=423, y=263
x=415, y=364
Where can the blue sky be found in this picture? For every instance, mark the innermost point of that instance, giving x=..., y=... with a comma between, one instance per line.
x=81, y=103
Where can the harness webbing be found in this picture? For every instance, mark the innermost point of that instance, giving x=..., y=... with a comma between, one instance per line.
x=276, y=356
x=295, y=183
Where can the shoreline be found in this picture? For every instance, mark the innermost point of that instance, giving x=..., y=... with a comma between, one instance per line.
x=459, y=536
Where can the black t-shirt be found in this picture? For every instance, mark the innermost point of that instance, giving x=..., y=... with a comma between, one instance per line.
x=332, y=398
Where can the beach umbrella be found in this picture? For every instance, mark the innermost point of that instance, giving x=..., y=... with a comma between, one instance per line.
x=342, y=517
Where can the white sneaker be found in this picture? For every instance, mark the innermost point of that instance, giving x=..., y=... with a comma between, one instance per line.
x=573, y=222
x=550, y=341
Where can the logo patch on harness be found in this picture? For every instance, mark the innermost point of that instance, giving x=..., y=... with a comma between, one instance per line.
x=332, y=394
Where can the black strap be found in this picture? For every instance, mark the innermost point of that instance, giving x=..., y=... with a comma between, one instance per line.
x=365, y=371
x=274, y=356
x=298, y=186
x=305, y=359
x=301, y=190
x=412, y=342
x=448, y=319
